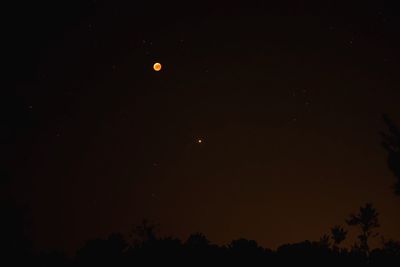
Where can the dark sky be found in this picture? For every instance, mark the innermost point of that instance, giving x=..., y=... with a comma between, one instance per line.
x=286, y=98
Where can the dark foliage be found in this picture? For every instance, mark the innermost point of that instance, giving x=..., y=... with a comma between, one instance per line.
x=367, y=220
x=391, y=142
x=148, y=249
x=338, y=235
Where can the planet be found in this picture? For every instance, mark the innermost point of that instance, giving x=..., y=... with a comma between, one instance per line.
x=157, y=66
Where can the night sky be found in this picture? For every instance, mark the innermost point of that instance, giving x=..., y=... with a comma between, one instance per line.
x=286, y=98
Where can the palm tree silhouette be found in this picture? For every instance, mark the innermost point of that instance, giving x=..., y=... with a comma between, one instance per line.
x=338, y=235
x=367, y=220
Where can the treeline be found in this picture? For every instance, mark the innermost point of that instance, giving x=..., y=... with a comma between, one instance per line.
x=145, y=248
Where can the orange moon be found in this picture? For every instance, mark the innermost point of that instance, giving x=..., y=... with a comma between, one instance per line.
x=157, y=66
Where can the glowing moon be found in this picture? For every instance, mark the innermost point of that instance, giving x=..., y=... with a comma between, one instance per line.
x=157, y=66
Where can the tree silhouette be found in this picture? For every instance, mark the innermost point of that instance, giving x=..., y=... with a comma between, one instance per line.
x=244, y=245
x=245, y=252
x=392, y=247
x=197, y=250
x=388, y=255
x=324, y=241
x=102, y=252
x=338, y=235
x=145, y=232
x=391, y=142
x=307, y=253
x=197, y=240
x=367, y=220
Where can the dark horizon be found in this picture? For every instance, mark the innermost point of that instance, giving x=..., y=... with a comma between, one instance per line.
x=286, y=98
